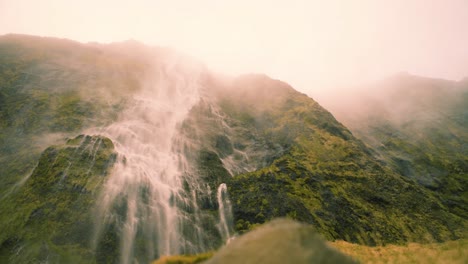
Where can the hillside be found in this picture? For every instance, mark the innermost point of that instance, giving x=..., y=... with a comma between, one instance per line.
x=419, y=127
x=322, y=175
x=118, y=153
x=51, y=89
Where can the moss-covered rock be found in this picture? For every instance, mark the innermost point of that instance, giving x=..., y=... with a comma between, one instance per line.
x=49, y=218
x=54, y=88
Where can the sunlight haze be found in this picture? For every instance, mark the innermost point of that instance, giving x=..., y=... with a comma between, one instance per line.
x=313, y=45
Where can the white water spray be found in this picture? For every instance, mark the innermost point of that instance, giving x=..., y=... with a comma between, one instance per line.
x=225, y=212
x=147, y=180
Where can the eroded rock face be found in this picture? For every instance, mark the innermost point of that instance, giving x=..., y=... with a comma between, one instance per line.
x=280, y=241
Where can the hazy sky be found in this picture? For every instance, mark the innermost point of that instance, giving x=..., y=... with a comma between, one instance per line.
x=313, y=45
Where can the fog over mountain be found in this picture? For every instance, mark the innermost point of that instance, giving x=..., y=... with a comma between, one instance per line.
x=124, y=152
x=319, y=47
x=140, y=131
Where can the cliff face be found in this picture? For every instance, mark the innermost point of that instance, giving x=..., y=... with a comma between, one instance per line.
x=64, y=105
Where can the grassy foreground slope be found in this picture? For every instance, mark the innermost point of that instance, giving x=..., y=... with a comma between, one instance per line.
x=451, y=252
x=266, y=239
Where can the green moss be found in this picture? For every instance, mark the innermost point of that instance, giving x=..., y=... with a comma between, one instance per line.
x=447, y=252
x=325, y=176
x=49, y=217
x=294, y=159
x=51, y=89
x=420, y=133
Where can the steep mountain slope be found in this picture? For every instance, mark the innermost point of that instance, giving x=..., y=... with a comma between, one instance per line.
x=170, y=133
x=53, y=90
x=50, y=89
x=319, y=173
x=418, y=126
x=49, y=218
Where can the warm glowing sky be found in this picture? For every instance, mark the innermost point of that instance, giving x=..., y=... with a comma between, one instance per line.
x=311, y=44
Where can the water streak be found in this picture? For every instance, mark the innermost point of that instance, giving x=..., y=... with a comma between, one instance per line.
x=147, y=180
x=225, y=212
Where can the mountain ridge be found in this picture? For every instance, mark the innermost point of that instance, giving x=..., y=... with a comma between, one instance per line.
x=279, y=152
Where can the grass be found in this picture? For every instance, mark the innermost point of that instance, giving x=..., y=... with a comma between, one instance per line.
x=448, y=252
x=451, y=252
x=184, y=259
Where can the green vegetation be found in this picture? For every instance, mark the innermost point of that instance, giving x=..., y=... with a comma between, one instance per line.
x=51, y=89
x=50, y=218
x=320, y=174
x=446, y=252
x=418, y=126
x=184, y=259
x=280, y=153
x=453, y=252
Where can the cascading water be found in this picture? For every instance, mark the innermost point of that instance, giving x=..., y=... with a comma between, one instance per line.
x=147, y=194
x=225, y=212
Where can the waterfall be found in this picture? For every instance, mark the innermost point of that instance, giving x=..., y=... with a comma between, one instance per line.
x=146, y=193
x=225, y=212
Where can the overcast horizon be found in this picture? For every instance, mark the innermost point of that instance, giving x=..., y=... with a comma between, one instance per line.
x=316, y=46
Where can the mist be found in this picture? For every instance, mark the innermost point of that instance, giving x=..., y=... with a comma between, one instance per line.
x=135, y=130
x=319, y=47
